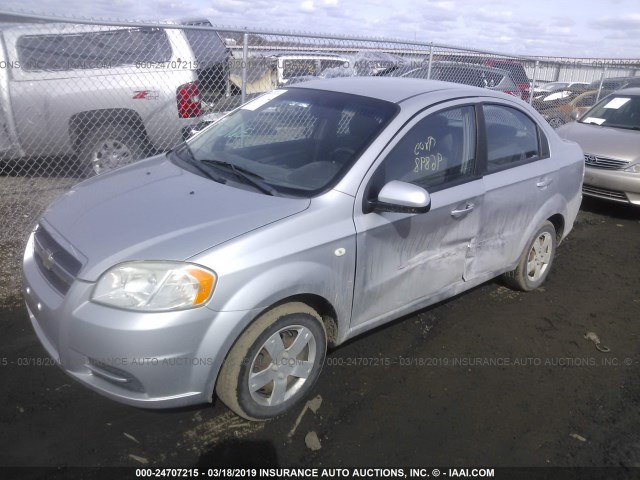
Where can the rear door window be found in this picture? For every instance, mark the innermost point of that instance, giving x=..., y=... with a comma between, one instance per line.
x=512, y=137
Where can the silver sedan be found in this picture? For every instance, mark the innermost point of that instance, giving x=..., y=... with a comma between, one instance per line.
x=300, y=220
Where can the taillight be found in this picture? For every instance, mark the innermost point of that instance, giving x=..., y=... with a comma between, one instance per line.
x=515, y=94
x=524, y=88
x=188, y=96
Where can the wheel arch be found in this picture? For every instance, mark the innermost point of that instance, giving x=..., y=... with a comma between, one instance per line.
x=82, y=123
x=226, y=384
x=554, y=210
x=321, y=305
x=558, y=223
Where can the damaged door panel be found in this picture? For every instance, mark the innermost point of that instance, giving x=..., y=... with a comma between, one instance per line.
x=407, y=258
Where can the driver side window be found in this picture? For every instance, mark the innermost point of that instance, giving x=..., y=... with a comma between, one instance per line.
x=438, y=150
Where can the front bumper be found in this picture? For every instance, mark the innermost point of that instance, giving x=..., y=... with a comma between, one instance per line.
x=151, y=360
x=616, y=185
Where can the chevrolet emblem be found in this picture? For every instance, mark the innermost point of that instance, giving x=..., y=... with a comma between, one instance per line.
x=47, y=259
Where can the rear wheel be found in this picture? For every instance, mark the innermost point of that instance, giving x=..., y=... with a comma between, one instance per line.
x=108, y=147
x=536, y=260
x=274, y=363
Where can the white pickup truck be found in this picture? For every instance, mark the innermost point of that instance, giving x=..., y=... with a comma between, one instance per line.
x=107, y=95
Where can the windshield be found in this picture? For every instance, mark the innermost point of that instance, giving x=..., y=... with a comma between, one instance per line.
x=294, y=142
x=622, y=111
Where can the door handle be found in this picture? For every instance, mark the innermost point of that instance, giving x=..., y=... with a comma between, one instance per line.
x=463, y=211
x=544, y=183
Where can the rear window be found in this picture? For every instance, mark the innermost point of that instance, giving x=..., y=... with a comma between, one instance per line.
x=458, y=75
x=515, y=69
x=477, y=78
x=90, y=50
x=206, y=45
x=299, y=67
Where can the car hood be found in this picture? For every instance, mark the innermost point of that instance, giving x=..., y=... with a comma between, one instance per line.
x=616, y=143
x=155, y=210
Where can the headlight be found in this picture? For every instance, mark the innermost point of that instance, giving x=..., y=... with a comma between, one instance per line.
x=633, y=168
x=154, y=286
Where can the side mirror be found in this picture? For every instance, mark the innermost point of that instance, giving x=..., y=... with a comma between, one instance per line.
x=401, y=197
x=575, y=114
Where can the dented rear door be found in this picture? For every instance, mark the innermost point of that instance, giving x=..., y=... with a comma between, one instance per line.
x=519, y=178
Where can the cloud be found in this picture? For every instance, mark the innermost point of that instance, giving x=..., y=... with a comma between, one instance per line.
x=493, y=16
x=621, y=22
x=307, y=6
x=562, y=22
x=576, y=27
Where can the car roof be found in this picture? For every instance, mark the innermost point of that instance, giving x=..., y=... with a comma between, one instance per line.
x=621, y=80
x=457, y=65
x=628, y=91
x=392, y=89
x=470, y=66
x=302, y=54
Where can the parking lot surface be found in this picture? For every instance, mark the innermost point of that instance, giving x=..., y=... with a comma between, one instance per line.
x=492, y=377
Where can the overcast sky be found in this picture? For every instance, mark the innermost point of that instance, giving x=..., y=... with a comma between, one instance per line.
x=572, y=28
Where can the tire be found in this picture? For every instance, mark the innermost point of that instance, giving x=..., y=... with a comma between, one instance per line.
x=536, y=260
x=108, y=147
x=268, y=370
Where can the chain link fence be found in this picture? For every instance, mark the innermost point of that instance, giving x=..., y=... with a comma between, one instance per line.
x=80, y=98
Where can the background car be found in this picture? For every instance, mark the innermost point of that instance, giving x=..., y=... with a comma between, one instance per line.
x=609, y=134
x=558, y=97
x=541, y=91
x=65, y=101
x=464, y=73
x=615, y=83
x=567, y=112
x=517, y=72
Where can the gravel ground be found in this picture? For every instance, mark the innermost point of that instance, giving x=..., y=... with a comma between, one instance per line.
x=555, y=400
x=22, y=201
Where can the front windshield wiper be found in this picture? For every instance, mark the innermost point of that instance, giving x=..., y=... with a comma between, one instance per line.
x=191, y=160
x=248, y=176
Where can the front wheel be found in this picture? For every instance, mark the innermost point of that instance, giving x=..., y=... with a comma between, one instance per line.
x=536, y=260
x=274, y=363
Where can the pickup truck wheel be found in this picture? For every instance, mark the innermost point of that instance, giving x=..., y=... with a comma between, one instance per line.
x=108, y=147
x=536, y=260
x=274, y=363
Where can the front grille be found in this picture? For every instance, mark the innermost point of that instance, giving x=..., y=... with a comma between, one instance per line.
x=57, y=265
x=597, y=161
x=604, y=193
